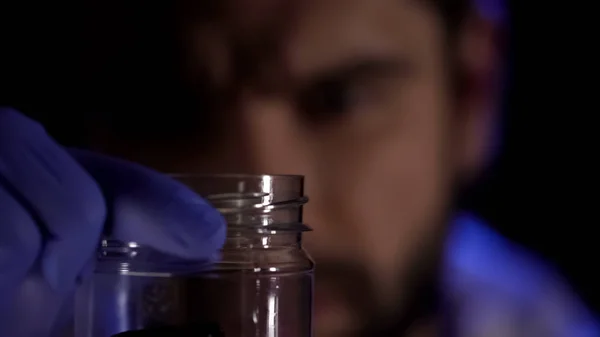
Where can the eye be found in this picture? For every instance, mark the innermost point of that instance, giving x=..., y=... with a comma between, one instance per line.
x=336, y=99
x=349, y=90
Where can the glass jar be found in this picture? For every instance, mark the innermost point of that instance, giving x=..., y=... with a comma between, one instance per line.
x=261, y=285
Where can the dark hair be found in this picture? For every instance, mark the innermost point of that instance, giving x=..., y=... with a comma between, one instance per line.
x=45, y=76
x=453, y=12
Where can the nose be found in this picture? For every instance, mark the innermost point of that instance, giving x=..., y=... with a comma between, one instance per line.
x=273, y=137
x=276, y=140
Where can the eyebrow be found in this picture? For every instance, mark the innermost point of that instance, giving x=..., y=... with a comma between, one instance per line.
x=364, y=67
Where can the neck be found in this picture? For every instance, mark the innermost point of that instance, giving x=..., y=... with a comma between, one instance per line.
x=427, y=328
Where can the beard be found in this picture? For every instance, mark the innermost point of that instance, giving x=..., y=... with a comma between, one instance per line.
x=420, y=300
x=419, y=296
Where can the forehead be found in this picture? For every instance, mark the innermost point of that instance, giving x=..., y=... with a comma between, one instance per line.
x=304, y=36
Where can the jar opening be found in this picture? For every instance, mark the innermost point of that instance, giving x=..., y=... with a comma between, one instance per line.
x=272, y=202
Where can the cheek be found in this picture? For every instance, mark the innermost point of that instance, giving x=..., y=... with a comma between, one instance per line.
x=375, y=199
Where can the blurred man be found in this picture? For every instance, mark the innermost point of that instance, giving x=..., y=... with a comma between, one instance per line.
x=387, y=108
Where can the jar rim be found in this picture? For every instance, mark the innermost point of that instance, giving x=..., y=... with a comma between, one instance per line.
x=234, y=176
x=245, y=199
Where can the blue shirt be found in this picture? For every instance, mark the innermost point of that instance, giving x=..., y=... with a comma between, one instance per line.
x=496, y=288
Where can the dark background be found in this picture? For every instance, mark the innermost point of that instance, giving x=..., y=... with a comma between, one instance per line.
x=541, y=191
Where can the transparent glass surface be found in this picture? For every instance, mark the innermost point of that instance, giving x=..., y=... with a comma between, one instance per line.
x=262, y=285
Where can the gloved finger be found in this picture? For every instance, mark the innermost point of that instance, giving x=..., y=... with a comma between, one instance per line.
x=39, y=310
x=152, y=209
x=196, y=330
x=20, y=244
x=63, y=198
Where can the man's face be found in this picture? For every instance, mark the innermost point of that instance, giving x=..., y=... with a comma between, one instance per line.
x=356, y=96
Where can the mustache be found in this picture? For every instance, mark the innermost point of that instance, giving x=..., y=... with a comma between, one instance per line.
x=349, y=279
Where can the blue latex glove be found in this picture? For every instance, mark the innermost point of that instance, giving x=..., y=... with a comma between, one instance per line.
x=54, y=206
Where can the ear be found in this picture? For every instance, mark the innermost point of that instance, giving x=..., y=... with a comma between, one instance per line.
x=479, y=58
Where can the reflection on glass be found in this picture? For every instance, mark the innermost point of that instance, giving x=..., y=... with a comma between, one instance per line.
x=261, y=286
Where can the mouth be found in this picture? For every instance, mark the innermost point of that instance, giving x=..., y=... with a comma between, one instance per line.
x=334, y=314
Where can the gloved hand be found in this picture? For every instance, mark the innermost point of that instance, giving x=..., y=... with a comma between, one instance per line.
x=54, y=206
